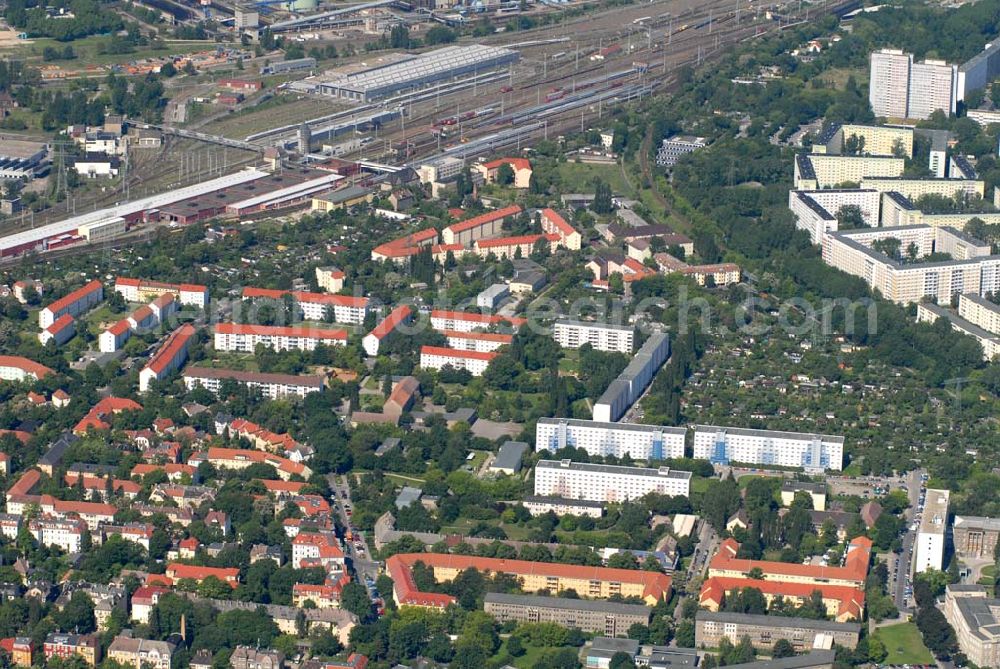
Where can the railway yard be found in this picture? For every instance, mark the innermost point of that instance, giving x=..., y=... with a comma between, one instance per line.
x=479, y=95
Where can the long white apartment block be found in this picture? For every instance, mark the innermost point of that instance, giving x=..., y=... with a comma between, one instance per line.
x=816, y=171
x=933, y=532
x=628, y=387
x=988, y=341
x=315, y=306
x=970, y=271
x=816, y=210
x=439, y=357
x=980, y=312
x=640, y=442
x=724, y=445
x=913, y=188
x=271, y=386
x=246, y=338
x=601, y=336
x=607, y=483
x=875, y=140
x=933, y=87
x=483, y=342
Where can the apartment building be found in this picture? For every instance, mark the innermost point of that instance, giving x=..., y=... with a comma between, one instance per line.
x=245, y=657
x=61, y=331
x=933, y=533
x=330, y=279
x=439, y=357
x=142, y=290
x=804, y=634
x=74, y=304
x=812, y=452
x=169, y=358
x=851, y=252
x=875, y=140
x=889, y=83
x=902, y=88
x=980, y=312
x=816, y=210
x=588, y=582
x=385, y=329
x=975, y=617
x=607, y=483
x=483, y=226
x=607, y=618
x=271, y=386
x=86, y=646
x=520, y=246
x=246, y=338
x=628, y=387
x=64, y=533
x=177, y=571
x=18, y=368
x=234, y=458
x=553, y=223
x=672, y=148
x=975, y=537
x=483, y=342
x=311, y=549
x=990, y=342
x=816, y=171
x=141, y=653
x=933, y=87
x=461, y=321
x=640, y=442
x=539, y=505
x=600, y=336
x=316, y=306
x=842, y=587
x=913, y=188
x=520, y=166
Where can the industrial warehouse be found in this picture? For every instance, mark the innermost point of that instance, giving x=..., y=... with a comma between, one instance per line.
x=414, y=72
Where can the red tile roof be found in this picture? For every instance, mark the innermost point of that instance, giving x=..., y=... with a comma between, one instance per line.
x=177, y=342
x=555, y=219
x=309, y=298
x=283, y=486
x=512, y=241
x=60, y=324
x=280, y=463
x=25, y=484
x=177, y=571
x=21, y=435
x=851, y=600
x=477, y=318
x=855, y=567
x=395, y=318
x=481, y=336
x=399, y=567
x=276, y=331
x=120, y=328
x=457, y=353
x=74, y=297
x=516, y=163
x=483, y=219
x=37, y=370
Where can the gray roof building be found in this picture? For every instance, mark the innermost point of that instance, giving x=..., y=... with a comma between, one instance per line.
x=508, y=460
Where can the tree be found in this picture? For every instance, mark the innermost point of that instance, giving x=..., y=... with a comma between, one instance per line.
x=782, y=648
x=77, y=615
x=399, y=37
x=354, y=598
x=850, y=217
x=515, y=648
x=505, y=174
x=685, y=634
x=621, y=660
x=876, y=650
x=602, y=203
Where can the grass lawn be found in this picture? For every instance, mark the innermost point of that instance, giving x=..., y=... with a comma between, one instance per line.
x=579, y=178
x=87, y=51
x=570, y=362
x=905, y=645
x=699, y=484
x=403, y=480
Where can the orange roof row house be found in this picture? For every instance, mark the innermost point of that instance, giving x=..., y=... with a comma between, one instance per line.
x=595, y=582
x=106, y=407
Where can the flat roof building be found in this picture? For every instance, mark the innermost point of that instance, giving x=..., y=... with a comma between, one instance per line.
x=608, y=618
x=932, y=535
x=813, y=452
x=600, y=336
x=804, y=634
x=417, y=72
x=975, y=536
x=607, y=483
x=640, y=442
